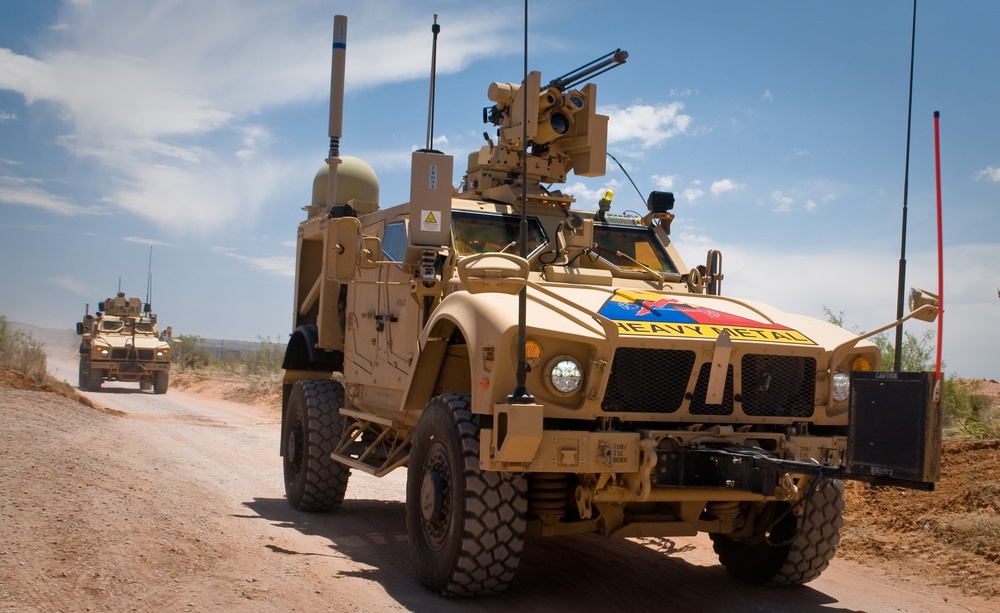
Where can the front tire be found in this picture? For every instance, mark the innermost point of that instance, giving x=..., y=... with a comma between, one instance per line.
x=161, y=381
x=797, y=549
x=95, y=377
x=84, y=372
x=311, y=429
x=465, y=525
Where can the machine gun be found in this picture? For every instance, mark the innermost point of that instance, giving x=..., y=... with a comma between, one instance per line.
x=557, y=130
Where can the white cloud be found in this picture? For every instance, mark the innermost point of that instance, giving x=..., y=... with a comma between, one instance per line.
x=665, y=182
x=278, y=265
x=161, y=98
x=783, y=202
x=766, y=95
x=725, y=185
x=646, y=123
x=152, y=242
x=26, y=192
x=692, y=194
x=990, y=173
x=72, y=285
x=5, y=116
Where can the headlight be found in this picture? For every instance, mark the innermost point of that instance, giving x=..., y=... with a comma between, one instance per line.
x=102, y=351
x=841, y=386
x=163, y=353
x=565, y=375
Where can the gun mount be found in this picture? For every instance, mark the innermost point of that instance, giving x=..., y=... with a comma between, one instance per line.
x=543, y=136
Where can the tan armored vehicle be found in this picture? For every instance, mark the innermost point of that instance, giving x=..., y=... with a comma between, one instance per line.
x=121, y=342
x=544, y=368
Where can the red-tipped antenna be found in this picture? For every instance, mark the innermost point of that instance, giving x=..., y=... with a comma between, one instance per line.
x=937, y=173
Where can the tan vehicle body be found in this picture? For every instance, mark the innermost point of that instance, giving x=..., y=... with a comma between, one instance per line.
x=650, y=404
x=121, y=342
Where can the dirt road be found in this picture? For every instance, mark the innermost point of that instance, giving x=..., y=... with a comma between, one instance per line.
x=175, y=502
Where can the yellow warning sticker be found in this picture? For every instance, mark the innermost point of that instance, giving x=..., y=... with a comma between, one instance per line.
x=430, y=221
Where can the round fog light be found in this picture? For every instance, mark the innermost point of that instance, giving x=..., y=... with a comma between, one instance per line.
x=565, y=375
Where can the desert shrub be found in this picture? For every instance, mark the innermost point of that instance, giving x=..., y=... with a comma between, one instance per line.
x=967, y=413
x=21, y=352
x=189, y=353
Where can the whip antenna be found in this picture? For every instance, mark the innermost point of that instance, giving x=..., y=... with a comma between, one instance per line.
x=897, y=358
x=149, y=278
x=521, y=395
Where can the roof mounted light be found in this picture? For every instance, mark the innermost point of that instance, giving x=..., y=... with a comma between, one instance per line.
x=660, y=202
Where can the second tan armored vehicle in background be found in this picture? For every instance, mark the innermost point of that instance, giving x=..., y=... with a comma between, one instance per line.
x=122, y=342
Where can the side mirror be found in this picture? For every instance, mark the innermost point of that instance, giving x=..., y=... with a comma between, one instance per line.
x=79, y=327
x=919, y=300
x=342, y=246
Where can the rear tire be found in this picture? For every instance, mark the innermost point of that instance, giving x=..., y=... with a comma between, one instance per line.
x=802, y=546
x=465, y=525
x=311, y=429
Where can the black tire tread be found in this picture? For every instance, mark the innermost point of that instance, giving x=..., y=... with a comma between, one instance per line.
x=493, y=519
x=161, y=381
x=818, y=535
x=806, y=555
x=94, y=378
x=323, y=483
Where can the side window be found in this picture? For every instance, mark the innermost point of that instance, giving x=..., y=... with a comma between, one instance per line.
x=394, y=242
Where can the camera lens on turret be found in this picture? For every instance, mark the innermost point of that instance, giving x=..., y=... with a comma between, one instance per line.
x=559, y=123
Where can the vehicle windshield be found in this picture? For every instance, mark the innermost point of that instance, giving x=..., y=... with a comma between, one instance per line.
x=638, y=246
x=111, y=326
x=484, y=232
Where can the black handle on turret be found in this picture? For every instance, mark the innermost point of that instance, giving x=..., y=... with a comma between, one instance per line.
x=589, y=70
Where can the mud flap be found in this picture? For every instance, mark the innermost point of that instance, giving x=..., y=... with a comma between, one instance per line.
x=894, y=429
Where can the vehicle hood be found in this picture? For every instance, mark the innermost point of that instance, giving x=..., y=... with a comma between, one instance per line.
x=643, y=313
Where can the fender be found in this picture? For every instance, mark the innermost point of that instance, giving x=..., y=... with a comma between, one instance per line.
x=302, y=353
x=470, y=317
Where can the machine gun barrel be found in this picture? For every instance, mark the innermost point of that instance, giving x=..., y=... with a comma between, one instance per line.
x=591, y=69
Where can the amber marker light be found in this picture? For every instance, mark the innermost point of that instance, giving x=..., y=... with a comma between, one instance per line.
x=861, y=364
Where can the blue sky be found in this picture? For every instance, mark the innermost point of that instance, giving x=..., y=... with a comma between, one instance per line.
x=196, y=128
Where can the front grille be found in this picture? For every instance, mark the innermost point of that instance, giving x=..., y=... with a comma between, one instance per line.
x=778, y=385
x=145, y=355
x=647, y=380
x=698, y=405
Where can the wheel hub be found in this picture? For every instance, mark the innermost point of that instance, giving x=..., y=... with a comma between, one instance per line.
x=431, y=496
x=435, y=501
